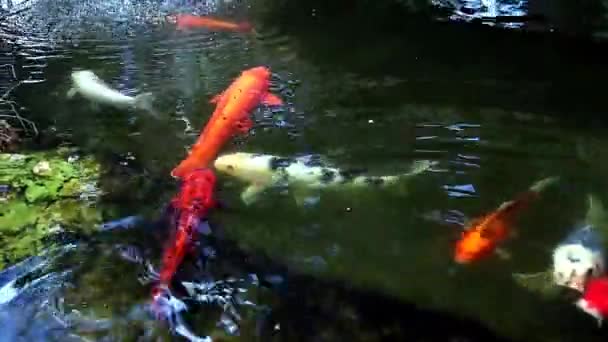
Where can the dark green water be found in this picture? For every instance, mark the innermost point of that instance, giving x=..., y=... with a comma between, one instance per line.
x=497, y=109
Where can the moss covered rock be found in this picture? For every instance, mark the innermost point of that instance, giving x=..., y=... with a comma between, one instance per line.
x=44, y=192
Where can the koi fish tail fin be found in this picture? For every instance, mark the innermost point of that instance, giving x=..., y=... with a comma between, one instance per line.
x=544, y=183
x=525, y=198
x=145, y=101
x=596, y=213
x=245, y=27
x=185, y=167
x=419, y=166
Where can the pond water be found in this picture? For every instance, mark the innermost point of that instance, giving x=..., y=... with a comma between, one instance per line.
x=497, y=110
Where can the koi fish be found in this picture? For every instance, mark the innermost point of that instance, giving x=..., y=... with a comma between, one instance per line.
x=188, y=21
x=91, y=87
x=595, y=299
x=578, y=257
x=263, y=171
x=484, y=234
x=230, y=117
x=192, y=203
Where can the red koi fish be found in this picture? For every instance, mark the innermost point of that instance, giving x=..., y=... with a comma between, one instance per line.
x=595, y=298
x=192, y=203
x=231, y=116
x=484, y=234
x=188, y=21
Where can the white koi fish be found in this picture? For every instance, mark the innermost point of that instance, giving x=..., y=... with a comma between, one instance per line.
x=579, y=256
x=263, y=171
x=91, y=87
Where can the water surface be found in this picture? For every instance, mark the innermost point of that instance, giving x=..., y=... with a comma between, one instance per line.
x=366, y=265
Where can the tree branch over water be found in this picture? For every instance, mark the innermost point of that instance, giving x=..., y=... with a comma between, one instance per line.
x=28, y=126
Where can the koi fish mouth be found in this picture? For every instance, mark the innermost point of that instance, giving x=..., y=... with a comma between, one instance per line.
x=463, y=258
x=583, y=304
x=577, y=283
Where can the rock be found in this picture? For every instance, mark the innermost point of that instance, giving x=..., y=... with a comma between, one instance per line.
x=43, y=168
x=44, y=193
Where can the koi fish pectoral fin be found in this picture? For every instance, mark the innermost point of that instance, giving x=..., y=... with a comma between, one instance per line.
x=503, y=253
x=252, y=193
x=71, y=93
x=244, y=125
x=540, y=282
x=217, y=98
x=304, y=197
x=272, y=100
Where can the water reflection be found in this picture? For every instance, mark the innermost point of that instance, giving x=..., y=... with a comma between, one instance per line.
x=345, y=110
x=505, y=13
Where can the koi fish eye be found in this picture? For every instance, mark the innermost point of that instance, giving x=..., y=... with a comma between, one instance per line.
x=572, y=258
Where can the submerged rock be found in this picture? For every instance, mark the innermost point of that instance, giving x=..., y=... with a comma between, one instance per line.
x=43, y=192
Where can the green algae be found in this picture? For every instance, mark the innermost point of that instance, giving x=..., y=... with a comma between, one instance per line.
x=47, y=192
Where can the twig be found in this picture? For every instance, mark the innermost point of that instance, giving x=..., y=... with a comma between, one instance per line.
x=3, y=100
x=12, y=67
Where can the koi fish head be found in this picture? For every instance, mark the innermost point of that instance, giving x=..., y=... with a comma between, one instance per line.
x=84, y=76
x=259, y=72
x=574, y=264
x=245, y=166
x=480, y=239
x=471, y=247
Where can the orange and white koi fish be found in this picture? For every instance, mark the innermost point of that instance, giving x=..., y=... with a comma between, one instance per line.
x=189, y=21
x=484, y=234
x=230, y=117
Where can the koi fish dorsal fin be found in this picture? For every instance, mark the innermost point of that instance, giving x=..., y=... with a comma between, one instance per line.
x=217, y=98
x=272, y=100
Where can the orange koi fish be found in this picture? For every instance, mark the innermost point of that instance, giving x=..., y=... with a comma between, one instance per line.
x=188, y=21
x=231, y=116
x=484, y=234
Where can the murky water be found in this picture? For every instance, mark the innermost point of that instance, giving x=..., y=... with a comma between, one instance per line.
x=369, y=265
